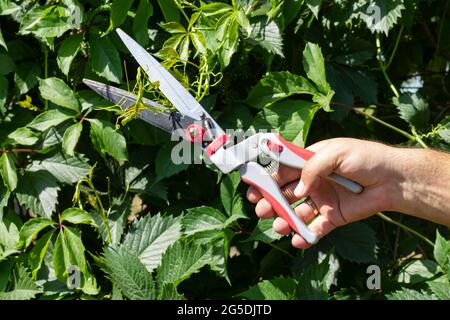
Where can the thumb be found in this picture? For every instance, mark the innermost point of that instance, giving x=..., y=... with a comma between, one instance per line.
x=321, y=164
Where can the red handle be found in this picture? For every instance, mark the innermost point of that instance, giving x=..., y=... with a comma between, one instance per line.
x=304, y=153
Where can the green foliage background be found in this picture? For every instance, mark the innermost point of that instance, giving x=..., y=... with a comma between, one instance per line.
x=79, y=192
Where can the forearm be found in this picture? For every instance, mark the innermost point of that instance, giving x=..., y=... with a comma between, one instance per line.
x=421, y=184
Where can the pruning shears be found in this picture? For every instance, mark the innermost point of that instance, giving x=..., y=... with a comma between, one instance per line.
x=193, y=123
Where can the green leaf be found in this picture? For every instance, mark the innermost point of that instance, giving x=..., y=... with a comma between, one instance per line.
x=314, y=6
x=418, y=271
x=119, y=12
x=2, y=41
x=291, y=118
x=443, y=132
x=169, y=292
x=199, y=42
x=442, y=251
x=9, y=237
x=264, y=232
x=274, y=289
x=3, y=93
x=388, y=12
x=37, y=254
x=8, y=171
x=105, y=59
x=164, y=167
x=440, y=289
x=65, y=169
x=150, y=236
x=228, y=188
x=56, y=91
x=68, y=252
x=31, y=228
x=68, y=51
x=26, y=76
x=201, y=219
x=108, y=141
x=24, y=136
x=313, y=284
x=7, y=65
x=355, y=242
x=180, y=261
x=173, y=27
x=413, y=109
x=128, y=273
x=38, y=191
x=276, y=86
x=49, y=119
x=71, y=137
x=117, y=219
x=140, y=22
x=23, y=287
x=77, y=216
x=314, y=65
x=267, y=35
x=170, y=10
x=409, y=294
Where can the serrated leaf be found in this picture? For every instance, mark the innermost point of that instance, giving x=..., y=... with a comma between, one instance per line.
x=381, y=15
x=264, y=232
x=228, y=188
x=413, y=109
x=23, y=287
x=56, y=91
x=77, y=216
x=442, y=251
x=48, y=119
x=180, y=261
x=355, y=242
x=202, y=219
x=150, y=236
x=314, y=65
x=31, y=228
x=291, y=118
x=108, y=141
x=267, y=35
x=169, y=292
x=128, y=273
x=440, y=289
x=164, y=167
x=37, y=254
x=276, y=86
x=105, y=59
x=38, y=191
x=274, y=289
x=8, y=171
x=67, y=52
x=65, y=169
x=140, y=22
x=71, y=137
x=409, y=294
x=24, y=136
x=444, y=131
x=9, y=237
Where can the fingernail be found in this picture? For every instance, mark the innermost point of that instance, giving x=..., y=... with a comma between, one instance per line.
x=299, y=189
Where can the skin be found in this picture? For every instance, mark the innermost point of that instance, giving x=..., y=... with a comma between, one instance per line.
x=411, y=181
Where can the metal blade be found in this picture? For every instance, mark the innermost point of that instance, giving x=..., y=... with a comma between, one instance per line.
x=165, y=119
x=168, y=84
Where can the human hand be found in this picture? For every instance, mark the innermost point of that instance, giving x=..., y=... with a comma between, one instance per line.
x=361, y=161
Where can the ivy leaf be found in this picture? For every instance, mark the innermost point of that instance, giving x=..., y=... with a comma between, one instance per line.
x=181, y=260
x=314, y=65
x=413, y=109
x=381, y=15
x=108, y=141
x=274, y=289
x=276, y=86
x=77, y=216
x=119, y=12
x=202, y=219
x=24, y=136
x=38, y=191
x=68, y=51
x=264, y=232
x=128, y=273
x=409, y=294
x=8, y=171
x=170, y=10
x=23, y=287
x=26, y=76
x=65, y=169
x=150, y=236
x=48, y=119
x=71, y=137
x=56, y=91
x=140, y=22
x=442, y=251
x=105, y=59
x=291, y=118
x=31, y=228
x=164, y=166
x=267, y=35
x=355, y=242
x=37, y=254
x=313, y=282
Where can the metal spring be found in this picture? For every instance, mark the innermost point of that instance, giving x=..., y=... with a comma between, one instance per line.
x=272, y=167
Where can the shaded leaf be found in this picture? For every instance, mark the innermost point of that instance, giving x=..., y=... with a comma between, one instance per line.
x=413, y=109
x=442, y=251
x=105, y=59
x=67, y=52
x=26, y=76
x=164, y=166
x=274, y=289
x=23, y=287
x=37, y=254
x=264, y=232
x=267, y=35
x=140, y=22
x=409, y=294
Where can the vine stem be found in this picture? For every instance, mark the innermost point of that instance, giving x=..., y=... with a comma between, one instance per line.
x=17, y=150
x=45, y=70
x=394, y=51
x=406, y=228
x=383, y=66
x=418, y=138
